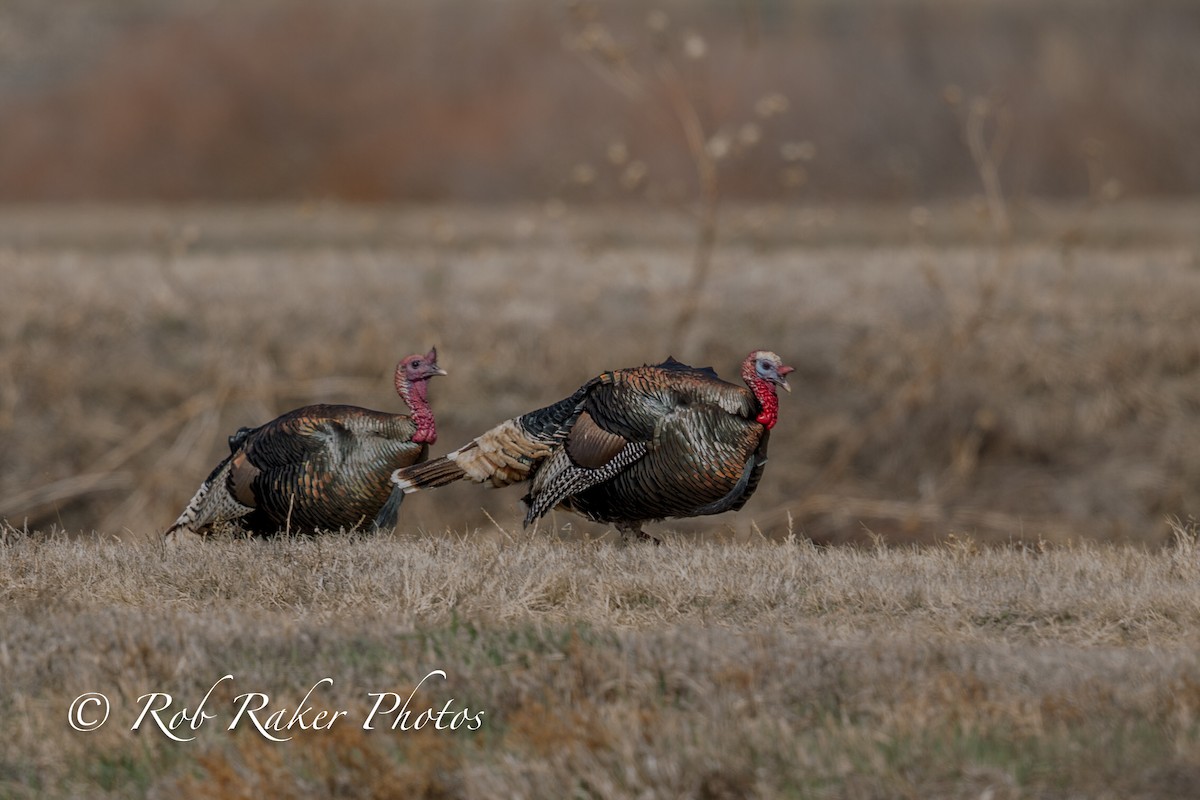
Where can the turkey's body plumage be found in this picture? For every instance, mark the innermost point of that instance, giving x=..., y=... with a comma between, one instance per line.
x=321, y=467
x=699, y=436
x=632, y=445
x=317, y=468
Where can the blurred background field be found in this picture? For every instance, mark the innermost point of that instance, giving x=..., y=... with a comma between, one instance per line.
x=464, y=100
x=1032, y=391
x=972, y=227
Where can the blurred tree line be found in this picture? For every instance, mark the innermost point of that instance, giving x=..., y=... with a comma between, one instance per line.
x=475, y=100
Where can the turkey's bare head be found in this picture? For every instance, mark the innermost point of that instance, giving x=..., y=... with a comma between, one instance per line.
x=765, y=365
x=417, y=368
x=763, y=371
x=412, y=374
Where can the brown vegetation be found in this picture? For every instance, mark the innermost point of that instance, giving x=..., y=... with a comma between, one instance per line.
x=374, y=100
x=972, y=394
x=1046, y=389
x=699, y=670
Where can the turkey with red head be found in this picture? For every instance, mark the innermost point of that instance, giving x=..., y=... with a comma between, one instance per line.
x=317, y=468
x=630, y=446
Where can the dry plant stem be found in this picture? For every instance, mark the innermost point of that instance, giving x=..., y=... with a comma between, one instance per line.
x=987, y=157
x=920, y=389
x=619, y=75
x=194, y=434
x=33, y=502
x=606, y=58
x=706, y=214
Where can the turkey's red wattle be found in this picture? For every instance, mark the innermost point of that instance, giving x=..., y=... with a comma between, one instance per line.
x=765, y=392
x=416, y=395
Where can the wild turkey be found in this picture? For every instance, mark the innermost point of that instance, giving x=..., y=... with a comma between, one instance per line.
x=321, y=467
x=630, y=446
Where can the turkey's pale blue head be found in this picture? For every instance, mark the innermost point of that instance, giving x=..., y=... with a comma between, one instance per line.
x=768, y=366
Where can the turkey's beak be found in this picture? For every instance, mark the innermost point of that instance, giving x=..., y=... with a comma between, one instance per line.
x=782, y=381
x=436, y=371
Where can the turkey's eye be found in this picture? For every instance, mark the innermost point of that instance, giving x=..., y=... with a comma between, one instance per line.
x=415, y=364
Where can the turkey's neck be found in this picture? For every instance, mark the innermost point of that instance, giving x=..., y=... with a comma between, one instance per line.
x=764, y=392
x=416, y=395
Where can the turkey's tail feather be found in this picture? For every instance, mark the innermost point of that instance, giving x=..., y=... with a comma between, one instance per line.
x=205, y=508
x=426, y=475
x=212, y=504
x=176, y=531
x=190, y=520
x=506, y=454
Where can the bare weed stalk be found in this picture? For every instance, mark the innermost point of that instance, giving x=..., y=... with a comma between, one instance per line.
x=986, y=131
x=661, y=87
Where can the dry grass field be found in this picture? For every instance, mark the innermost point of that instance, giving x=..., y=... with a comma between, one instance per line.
x=959, y=576
x=694, y=669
